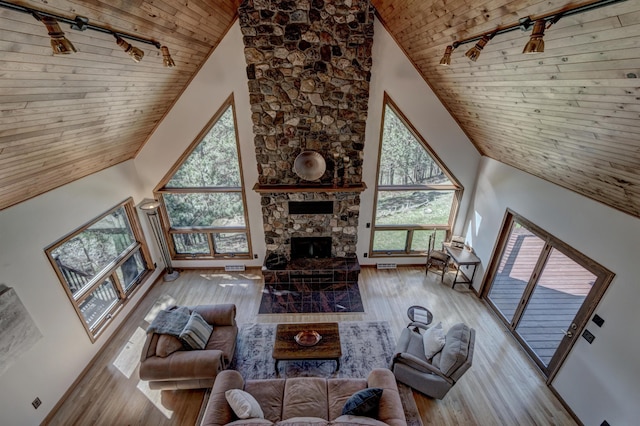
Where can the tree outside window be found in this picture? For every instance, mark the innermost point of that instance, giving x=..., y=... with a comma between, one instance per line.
x=204, y=209
x=415, y=193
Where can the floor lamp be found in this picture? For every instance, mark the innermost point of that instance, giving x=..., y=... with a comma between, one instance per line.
x=150, y=207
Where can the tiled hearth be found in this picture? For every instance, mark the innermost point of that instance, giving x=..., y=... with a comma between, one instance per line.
x=312, y=286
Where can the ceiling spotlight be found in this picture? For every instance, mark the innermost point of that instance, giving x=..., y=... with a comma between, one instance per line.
x=536, y=42
x=166, y=57
x=135, y=53
x=59, y=42
x=475, y=51
x=446, y=59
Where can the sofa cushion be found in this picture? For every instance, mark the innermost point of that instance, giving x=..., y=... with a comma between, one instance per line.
x=339, y=391
x=196, y=333
x=363, y=403
x=433, y=340
x=455, y=350
x=243, y=404
x=305, y=397
x=269, y=394
x=348, y=420
x=167, y=345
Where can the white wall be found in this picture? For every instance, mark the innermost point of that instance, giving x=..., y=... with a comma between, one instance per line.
x=222, y=74
x=393, y=73
x=601, y=380
x=55, y=361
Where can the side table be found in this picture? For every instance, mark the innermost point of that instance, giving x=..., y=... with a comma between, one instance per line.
x=419, y=315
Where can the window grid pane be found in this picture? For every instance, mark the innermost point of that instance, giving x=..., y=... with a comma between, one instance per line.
x=131, y=270
x=229, y=243
x=85, y=255
x=214, y=162
x=213, y=210
x=191, y=243
x=413, y=207
x=384, y=241
x=99, y=303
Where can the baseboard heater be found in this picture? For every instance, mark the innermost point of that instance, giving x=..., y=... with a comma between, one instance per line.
x=386, y=265
x=234, y=268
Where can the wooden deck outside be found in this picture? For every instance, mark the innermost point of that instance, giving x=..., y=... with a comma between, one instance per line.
x=561, y=290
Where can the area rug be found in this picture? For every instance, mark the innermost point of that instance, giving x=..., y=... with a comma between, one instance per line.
x=365, y=346
x=307, y=298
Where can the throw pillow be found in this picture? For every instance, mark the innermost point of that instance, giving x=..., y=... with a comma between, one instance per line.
x=197, y=332
x=433, y=340
x=363, y=403
x=243, y=404
x=167, y=345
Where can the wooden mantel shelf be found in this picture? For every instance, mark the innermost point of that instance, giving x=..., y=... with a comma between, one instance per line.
x=265, y=189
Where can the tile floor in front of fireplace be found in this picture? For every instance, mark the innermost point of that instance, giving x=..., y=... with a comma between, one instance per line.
x=310, y=298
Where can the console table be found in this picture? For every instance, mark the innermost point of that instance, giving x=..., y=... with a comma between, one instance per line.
x=462, y=257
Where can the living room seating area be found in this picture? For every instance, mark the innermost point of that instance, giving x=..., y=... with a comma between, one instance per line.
x=485, y=395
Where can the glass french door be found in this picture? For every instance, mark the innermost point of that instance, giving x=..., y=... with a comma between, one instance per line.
x=543, y=290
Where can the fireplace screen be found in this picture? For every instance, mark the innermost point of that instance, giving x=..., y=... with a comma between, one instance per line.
x=310, y=247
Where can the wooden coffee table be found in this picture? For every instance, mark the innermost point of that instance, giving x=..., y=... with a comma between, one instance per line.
x=286, y=348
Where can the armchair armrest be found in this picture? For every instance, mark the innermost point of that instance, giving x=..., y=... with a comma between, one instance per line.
x=418, y=364
x=217, y=314
x=183, y=365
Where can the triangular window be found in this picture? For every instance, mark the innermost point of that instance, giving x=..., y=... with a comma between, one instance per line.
x=415, y=193
x=203, y=197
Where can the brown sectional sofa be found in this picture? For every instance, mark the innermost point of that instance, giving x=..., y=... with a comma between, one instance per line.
x=304, y=400
x=184, y=369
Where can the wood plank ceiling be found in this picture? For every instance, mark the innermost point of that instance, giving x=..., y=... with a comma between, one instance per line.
x=63, y=117
x=569, y=115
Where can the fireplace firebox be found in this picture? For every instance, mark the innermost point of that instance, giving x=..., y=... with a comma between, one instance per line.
x=310, y=247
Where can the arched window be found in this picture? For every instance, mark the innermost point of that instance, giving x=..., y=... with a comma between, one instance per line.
x=416, y=195
x=204, y=208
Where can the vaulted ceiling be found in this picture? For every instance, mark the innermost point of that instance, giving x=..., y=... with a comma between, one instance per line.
x=570, y=115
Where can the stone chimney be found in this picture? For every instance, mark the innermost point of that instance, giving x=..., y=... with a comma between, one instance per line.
x=308, y=64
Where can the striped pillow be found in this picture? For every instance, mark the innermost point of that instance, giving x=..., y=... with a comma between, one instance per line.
x=196, y=333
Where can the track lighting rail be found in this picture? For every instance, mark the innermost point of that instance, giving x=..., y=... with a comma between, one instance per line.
x=81, y=23
x=525, y=24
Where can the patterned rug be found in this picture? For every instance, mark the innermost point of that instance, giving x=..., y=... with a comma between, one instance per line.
x=307, y=298
x=365, y=345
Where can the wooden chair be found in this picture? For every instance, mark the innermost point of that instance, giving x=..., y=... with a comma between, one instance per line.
x=437, y=258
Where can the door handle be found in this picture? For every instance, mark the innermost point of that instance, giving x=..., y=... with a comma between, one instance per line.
x=569, y=334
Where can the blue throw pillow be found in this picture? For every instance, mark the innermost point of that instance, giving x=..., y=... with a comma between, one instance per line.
x=363, y=403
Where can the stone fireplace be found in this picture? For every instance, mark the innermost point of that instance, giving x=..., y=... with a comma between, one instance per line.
x=308, y=65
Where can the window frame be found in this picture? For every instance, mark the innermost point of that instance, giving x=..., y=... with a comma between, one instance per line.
x=455, y=186
x=108, y=271
x=210, y=232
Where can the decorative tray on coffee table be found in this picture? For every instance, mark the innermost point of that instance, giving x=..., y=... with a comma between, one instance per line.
x=307, y=338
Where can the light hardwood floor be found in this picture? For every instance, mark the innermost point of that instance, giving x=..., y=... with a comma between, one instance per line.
x=501, y=388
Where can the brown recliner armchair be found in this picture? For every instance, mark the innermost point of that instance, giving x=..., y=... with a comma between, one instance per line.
x=191, y=369
x=434, y=377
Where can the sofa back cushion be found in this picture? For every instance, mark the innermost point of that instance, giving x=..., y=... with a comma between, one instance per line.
x=339, y=391
x=269, y=393
x=455, y=350
x=305, y=397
